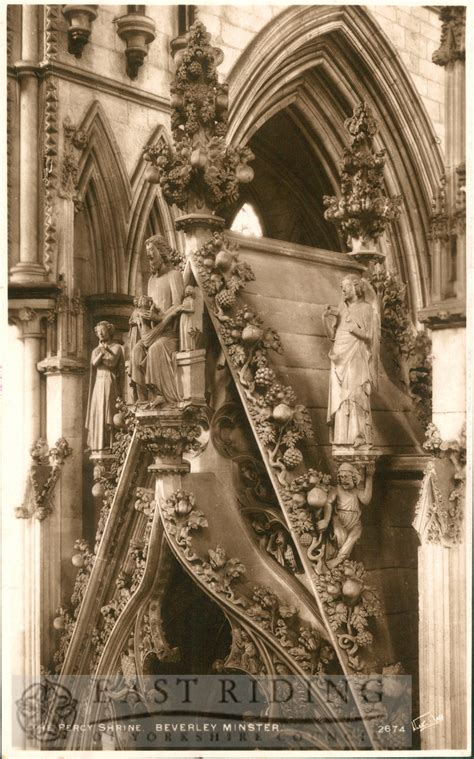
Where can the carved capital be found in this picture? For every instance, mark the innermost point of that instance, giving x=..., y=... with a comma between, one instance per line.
x=453, y=36
x=168, y=434
x=28, y=320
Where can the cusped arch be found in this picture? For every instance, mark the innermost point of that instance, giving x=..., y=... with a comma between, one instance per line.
x=149, y=211
x=102, y=171
x=319, y=62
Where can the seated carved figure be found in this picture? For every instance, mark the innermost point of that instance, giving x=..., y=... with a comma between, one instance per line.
x=106, y=386
x=152, y=359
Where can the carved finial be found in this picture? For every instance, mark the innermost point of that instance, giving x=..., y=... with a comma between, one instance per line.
x=363, y=210
x=201, y=173
x=453, y=35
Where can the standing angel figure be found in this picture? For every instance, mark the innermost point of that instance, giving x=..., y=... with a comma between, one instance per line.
x=354, y=362
x=105, y=387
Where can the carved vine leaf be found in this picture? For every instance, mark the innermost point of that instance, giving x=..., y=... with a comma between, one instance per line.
x=413, y=345
x=363, y=210
x=349, y=603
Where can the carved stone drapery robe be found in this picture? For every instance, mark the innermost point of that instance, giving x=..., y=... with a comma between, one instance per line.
x=152, y=359
x=352, y=376
x=106, y=386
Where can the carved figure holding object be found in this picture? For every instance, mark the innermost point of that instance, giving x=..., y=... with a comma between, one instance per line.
x=345, y=500
x=105, y=388
x=354, y=326
x=152, y=364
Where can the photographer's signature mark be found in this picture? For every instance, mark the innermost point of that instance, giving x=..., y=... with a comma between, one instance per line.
x=428, y=719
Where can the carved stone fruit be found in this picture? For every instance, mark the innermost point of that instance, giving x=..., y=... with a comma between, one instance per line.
x=282, y=414
x=352, y=589
x=224, y=261
x=316, y=497
x=119, y=419
x=244, y=173
x=334, y=589
x=98, y=490
x=152, y=175
x=251, y=334
x=298, y=499
x=58, y=623
x=306, y=539
x=78, y=560
x=208, y=263
x=199, y=158
x=183, y=507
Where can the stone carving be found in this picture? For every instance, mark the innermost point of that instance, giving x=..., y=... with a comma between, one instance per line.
x=201, y=174
x=274, y=538
x=363, y=210
x=440, y=507
x=137, y=31
x=168, y=435
x=42, y=477
x=75, y=141
x=349, y=603
x=301, y=642
x=190, y=325
x=345, y=513
x=105, y=388
x=79, y=19
x=50, y=171
x=279, y=422
x=244, y=654
x=152, y=366
x=355, y=329
x=453, y=35
x=413, y=345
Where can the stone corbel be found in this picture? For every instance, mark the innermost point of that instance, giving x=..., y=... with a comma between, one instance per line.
x=168, y=434
x=439, y=510
x=137, y=31
x=453, y=35
x=79, y=19
x=42, y=477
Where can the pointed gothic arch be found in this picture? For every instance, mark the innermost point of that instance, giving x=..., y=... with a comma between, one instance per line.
x=316, y=63
x=149, y=213
x=105, y=188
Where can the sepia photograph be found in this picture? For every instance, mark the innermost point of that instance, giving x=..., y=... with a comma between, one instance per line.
x=236, y=387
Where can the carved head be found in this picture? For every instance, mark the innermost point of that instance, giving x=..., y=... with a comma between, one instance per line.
x=158, y=253
x=352, y=288
x=348, y=476
x=145, y=301
x=104, y=330
x=189, y=291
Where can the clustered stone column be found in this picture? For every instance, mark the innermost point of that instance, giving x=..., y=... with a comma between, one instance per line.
x=29, y=268
x=442, y=556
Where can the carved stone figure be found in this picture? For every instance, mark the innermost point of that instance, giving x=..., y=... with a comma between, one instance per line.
x=354, y=362
x=345, y=517
x=152, y=365
x=105, y=388
x=190, y=326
